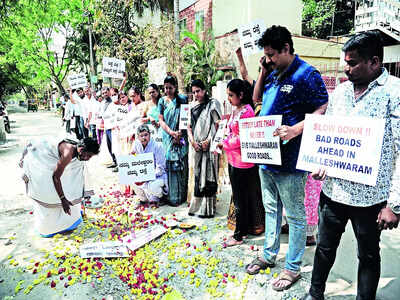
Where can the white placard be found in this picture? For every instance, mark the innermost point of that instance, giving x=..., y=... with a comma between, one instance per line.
x=142, y=237
x=136, y=168
x=129, y=125
x=249, y=34
x=257, y=143
x=113, y=67
x=346, y=147
x=77, y=81
x=155, y=133
x=103, y=249
x=157, y=69
x=184, y=116
x=219, y=136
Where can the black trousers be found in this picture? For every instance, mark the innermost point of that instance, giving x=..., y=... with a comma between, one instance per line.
x=245, y=185
x=333, y=218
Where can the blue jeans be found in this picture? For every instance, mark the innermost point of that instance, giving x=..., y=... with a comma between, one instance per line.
x=284, y=190
x=92, y=129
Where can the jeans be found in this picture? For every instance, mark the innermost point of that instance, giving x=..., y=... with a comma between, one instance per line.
x=245, y=186
x=92, y=129
x=100, y=133
x=284, y=190
x=332, y=223
x=109, y=145
x=78, y=127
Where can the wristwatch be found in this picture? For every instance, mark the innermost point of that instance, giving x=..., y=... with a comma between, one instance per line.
x=395, y=209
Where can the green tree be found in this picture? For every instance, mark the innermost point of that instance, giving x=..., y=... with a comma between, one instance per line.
x=323, y=18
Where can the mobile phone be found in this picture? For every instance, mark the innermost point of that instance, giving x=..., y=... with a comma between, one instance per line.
x=264, y=63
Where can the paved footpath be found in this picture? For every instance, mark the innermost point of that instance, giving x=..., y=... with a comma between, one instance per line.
x=30, y=265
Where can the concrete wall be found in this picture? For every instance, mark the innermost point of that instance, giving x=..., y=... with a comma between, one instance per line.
x=230, y=14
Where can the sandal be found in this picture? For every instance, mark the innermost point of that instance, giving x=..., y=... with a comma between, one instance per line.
x=261, y=264
x=285, y=275
x=232, y=242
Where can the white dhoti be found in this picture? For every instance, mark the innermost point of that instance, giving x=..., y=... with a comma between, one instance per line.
x=39, y=163
x=151, y=191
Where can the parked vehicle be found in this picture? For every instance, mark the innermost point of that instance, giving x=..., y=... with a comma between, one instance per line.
x=32, y=106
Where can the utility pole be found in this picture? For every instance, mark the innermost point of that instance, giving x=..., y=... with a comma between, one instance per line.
x=87, y=14
x=176, y=20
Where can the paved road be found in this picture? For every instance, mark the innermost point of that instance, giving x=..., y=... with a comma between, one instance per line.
x=14, y=209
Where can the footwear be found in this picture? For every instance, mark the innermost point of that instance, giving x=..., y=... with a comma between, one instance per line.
x=311, y=241
x=308, y=297
x=285, y=229
x=286, y=276
x=115, y=170
x=232, y=242
x=112, y=166
x=261, y=264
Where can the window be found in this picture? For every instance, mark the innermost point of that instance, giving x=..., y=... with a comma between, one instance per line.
x=182, y=25
x=199, y=19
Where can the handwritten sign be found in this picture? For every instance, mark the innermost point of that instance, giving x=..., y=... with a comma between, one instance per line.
x=219, y=136
x=103, y=249
x=113, y=67
x=257, y=143
x=155, y=133
x=249, y=34
x=136, y=168
x=129, y=124
x=346, y=147
x=157, y=69
x=77, y=81
x=184, y=117
x=142, y=237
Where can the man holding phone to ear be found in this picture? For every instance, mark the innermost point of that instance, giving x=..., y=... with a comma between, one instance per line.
x=290, y=87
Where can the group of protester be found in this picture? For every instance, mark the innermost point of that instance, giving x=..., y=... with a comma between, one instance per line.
x=286, y=86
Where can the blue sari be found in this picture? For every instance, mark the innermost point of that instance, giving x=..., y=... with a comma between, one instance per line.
x=176, y=155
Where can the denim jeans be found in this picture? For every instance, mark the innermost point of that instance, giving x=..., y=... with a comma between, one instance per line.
x=332, y=223
x=92, y=129
x=79, y=127
x=109, y=144
x=284, y=190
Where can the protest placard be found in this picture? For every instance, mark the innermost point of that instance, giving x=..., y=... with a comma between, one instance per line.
x=219, y=136
x=249, y=34
x=113, y=67
x=257, y=143
x=155, y=133
x=77, y=81
x=137, y=239
x=184, y=117
x=103, y=249
x=136, y=168
x=346, y=147
x=129, y=124
x=157, y=69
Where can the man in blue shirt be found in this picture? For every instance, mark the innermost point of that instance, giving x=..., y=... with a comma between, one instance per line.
x=292, y=88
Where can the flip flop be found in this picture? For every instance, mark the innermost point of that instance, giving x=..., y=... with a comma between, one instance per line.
x=288, y=277
x=261, y=264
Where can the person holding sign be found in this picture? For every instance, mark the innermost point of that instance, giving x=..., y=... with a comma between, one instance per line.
x=370, y=92
x=54, y=174
x=174, y=141
x=151, y=191
x=289, y=87
x=201, y=131
x=243, y=176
